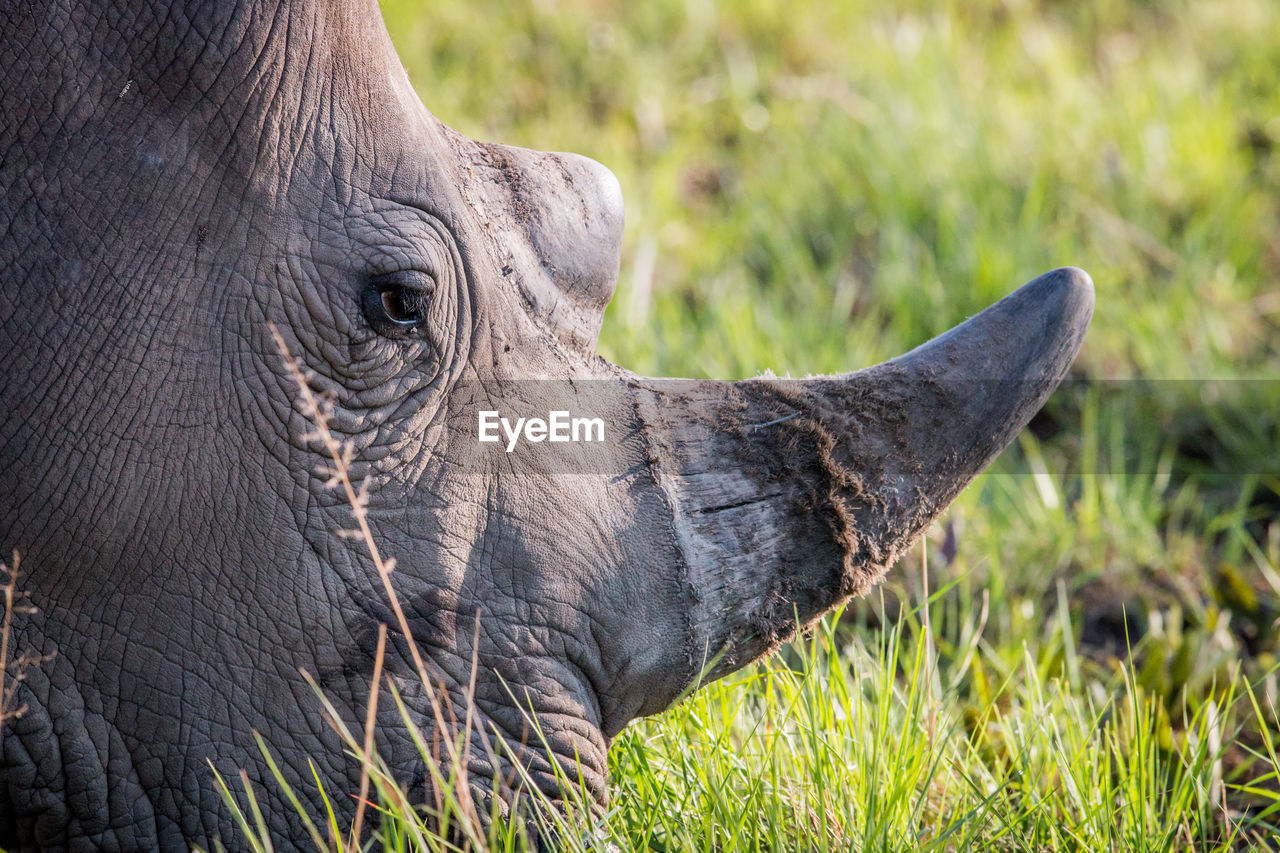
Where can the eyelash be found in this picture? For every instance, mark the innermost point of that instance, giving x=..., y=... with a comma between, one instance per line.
x=396, y=304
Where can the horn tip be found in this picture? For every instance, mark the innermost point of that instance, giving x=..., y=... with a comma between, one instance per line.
x=1071, y=288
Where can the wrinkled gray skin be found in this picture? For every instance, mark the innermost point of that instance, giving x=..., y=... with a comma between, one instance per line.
x=172, y=179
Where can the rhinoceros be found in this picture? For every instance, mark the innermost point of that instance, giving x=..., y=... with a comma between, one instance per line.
x=182, y=182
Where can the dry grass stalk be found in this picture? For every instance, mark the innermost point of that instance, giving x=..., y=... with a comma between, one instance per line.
x=317, y=410
x=370, y=717
x=11, y=674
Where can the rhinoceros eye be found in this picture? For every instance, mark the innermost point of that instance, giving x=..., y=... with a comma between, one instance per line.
x=396, y=305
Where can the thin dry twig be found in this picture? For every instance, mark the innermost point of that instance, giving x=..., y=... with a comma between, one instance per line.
x=9, y=589
x=12, y=674
x=370, y=717
x=339, y=474
x=929, y=653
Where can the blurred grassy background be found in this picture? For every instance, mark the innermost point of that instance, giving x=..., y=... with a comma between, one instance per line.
x=815, y=187
x=812, y=187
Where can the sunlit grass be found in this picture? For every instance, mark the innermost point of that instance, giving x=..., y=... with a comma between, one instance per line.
x=879, y=742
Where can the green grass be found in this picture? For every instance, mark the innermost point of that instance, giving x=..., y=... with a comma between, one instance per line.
x=815, y=188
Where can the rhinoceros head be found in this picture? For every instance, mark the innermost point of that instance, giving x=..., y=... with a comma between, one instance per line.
x=178, y=180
